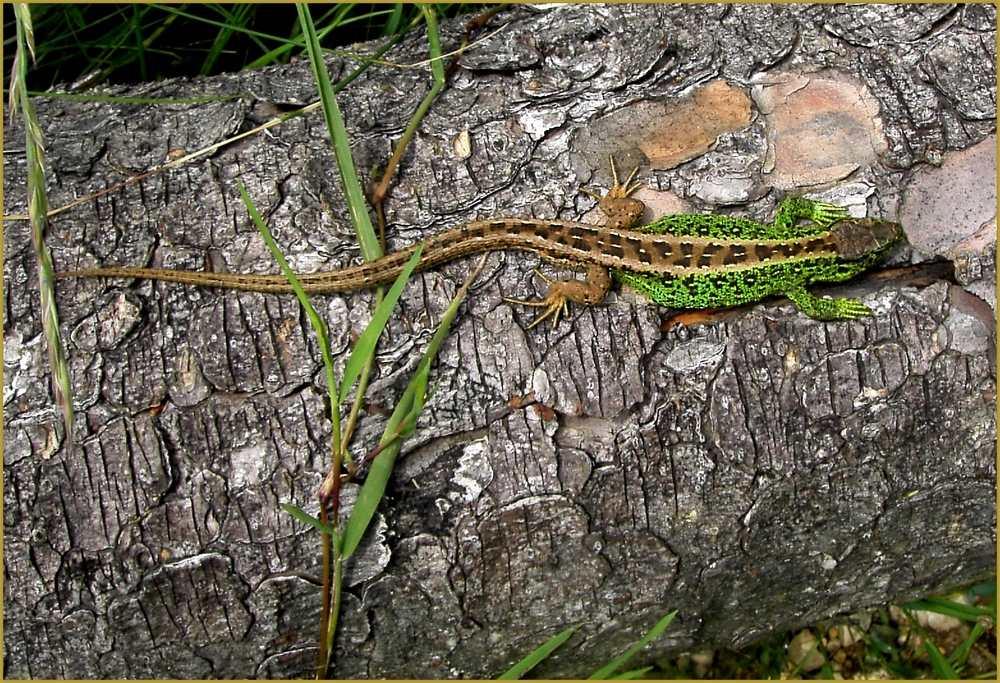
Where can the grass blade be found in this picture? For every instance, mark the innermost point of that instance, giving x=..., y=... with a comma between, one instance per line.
x=23, y=15
x=319, y=327
x=942, y=667
x=609, y=669
x=394, y=20
x=238, y=17
x=38, y=205
x=364, y=347
x=949, y=608
x=401, y=422
x=381, y=189
x=434, y=46
x=304, y=517
x=356, y=202
x=960, y=654
x=536, y=656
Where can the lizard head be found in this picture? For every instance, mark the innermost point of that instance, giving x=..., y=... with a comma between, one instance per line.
x=857, y=238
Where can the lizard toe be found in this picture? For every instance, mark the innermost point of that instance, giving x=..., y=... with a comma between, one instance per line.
x=859, y=310
x=554, y=303
x=850, y=309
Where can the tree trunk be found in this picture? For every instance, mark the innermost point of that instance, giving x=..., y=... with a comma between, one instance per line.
x=753, y=469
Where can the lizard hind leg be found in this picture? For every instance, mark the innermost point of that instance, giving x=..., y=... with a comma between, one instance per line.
x=556, y=300
x=620, y=190
x=621, y=210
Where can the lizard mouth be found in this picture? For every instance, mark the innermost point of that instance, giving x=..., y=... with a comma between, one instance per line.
x=856, y=238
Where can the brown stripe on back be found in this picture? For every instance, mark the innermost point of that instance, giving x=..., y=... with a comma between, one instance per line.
x=637, y=251
x=791, y=249
x=779, y=251
x=542, y=231
x=614, y=250
x=734, y=254
x=522, y=227
x=819, y=244
x=662, y=248
x=707, y=258
x=682, y=259
x=762, y=252
x=562, y=237
x=448, y=239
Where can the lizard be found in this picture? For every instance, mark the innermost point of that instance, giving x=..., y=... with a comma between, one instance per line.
x=706, y=261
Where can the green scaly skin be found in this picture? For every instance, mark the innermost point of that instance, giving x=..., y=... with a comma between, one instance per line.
x=725, y=289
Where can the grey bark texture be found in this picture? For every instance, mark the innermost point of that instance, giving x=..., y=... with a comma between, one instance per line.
x=755, y=470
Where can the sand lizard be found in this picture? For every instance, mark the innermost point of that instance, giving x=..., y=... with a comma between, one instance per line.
x=679, y=261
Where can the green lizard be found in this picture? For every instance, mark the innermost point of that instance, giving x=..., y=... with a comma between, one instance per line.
x=680, y=261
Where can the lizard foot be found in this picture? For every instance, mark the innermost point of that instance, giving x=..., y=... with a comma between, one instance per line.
x=827, y=309
x=554, y=303
x=824, y=214
x=618, y=190
x=622, y=190
x=556, y=300
x=846, y=309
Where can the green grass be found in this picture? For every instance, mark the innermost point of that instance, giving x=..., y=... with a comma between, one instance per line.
x=890, y=643
x=339, y=546
x=610, y=671
x=38, y=205
x=99, y=44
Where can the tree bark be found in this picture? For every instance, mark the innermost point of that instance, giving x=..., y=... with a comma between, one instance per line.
x=754, y=469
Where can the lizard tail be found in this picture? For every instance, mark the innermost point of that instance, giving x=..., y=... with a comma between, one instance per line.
x=438, y=249
x=355, y=277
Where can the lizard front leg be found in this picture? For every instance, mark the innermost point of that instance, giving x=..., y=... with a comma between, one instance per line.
x=793, y=209
x=590, y=291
